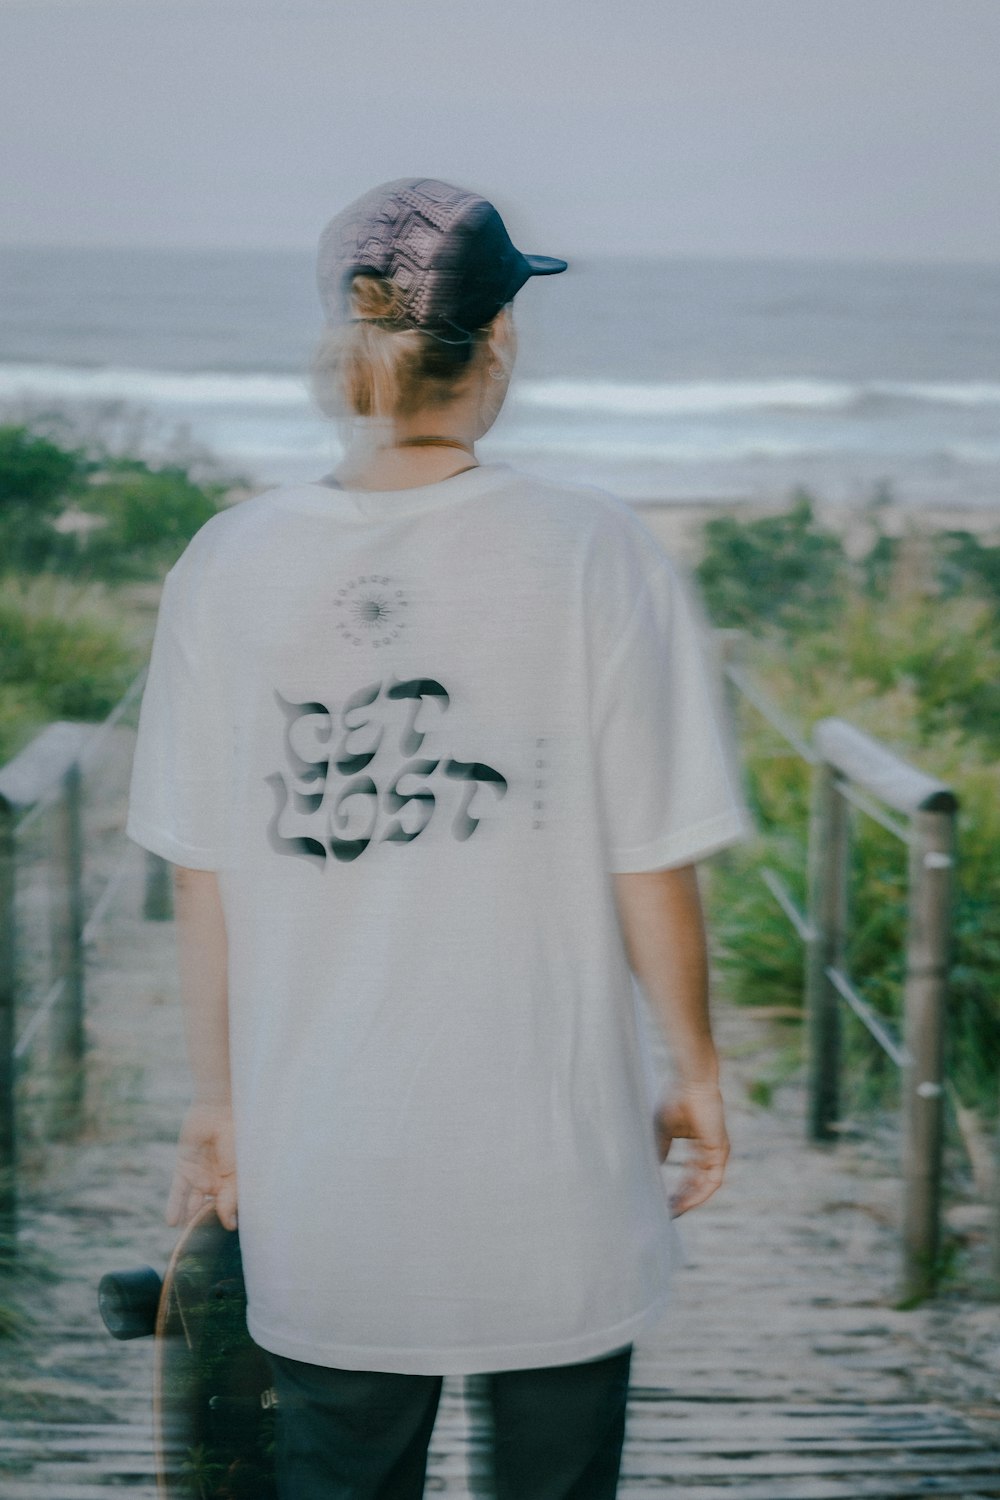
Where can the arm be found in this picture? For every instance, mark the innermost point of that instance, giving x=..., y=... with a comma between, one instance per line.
x=206, y=1156
x=664, y=935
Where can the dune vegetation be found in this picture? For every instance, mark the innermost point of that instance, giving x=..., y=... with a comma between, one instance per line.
x=902, y=641
x=86, y=534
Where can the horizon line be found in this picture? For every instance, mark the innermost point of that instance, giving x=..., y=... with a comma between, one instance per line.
x=580, y=258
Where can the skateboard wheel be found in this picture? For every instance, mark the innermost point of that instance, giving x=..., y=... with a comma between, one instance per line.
x=128, y=1301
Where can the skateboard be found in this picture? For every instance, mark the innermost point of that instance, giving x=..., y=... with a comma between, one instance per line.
x=213, y=1403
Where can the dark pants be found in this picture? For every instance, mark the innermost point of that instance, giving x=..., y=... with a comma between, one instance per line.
x=556, y=1432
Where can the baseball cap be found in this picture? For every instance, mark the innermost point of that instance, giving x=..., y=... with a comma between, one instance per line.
x=446, y=248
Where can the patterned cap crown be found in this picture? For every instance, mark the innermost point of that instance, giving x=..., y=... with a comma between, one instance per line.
x=445, y=248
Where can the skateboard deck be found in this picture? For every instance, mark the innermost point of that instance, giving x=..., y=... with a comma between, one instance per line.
x=213, y=1404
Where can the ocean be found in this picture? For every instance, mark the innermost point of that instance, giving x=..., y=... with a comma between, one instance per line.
x=675, y=379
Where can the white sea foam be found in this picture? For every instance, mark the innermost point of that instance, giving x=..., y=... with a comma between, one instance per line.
x=611, y=398
x=160, y=387
x=745, y=446
x=950, y=393
x=974, y=453
x=693, y=397
x=681, y=397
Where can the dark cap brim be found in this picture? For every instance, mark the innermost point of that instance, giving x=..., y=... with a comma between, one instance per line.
x=545, y=265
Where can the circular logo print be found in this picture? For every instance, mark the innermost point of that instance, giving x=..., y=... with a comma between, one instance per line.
x=370, y=610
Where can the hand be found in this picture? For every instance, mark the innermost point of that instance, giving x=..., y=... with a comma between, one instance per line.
x=206, y=1165
x=694, y=1112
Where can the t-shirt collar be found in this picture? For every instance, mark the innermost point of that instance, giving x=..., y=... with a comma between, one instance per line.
x=324, y=497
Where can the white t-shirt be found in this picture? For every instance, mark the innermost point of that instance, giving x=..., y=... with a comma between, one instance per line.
x=414, y=731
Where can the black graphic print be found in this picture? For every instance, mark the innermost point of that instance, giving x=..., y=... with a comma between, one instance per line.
x=354, y=804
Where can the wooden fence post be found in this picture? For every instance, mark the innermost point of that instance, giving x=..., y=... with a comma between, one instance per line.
x=25, y=783
x=827, y=899
x=8, y=1018
x=67, y=1036
x=928, y=957
x=995, y=1227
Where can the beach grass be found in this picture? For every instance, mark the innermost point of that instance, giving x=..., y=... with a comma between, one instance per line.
x=906, y=647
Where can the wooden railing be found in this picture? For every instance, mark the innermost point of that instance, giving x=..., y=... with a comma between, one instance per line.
x=42, y=800
x=851, y=767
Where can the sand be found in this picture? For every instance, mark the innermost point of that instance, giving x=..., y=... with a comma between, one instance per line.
x=677, y=524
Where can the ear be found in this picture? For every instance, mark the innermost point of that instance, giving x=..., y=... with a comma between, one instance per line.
x=502, y=341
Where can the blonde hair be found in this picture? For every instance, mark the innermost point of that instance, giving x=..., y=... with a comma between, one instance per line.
x=362, y=369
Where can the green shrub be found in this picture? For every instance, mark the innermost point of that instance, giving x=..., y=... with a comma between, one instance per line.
x=150, y=515
x=145, y=513
x=64, y=657
x=37, y=476
x=962, y=558
x=909, y=652
x=784, y=569
x=66, y=651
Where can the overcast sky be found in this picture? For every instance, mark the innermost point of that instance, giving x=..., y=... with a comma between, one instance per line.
x=846, y=128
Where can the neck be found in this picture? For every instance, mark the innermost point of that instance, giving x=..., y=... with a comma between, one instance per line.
x=429, y=440
x=395, y=460
x=400, y=468
x=456, y=422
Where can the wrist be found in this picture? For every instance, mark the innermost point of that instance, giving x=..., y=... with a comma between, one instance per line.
x=695, y=1059
x=701, y=1080
x=212, y=1099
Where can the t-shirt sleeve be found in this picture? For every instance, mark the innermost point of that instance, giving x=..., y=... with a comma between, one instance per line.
x=670, y=776
x=177, y=793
